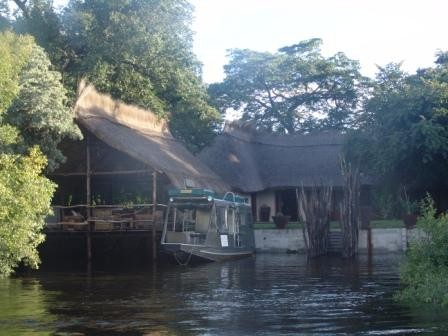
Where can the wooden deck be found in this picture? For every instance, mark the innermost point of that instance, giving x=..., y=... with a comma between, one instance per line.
x=105, y=218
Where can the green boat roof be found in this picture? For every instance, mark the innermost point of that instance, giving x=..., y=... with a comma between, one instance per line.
x=205, y=193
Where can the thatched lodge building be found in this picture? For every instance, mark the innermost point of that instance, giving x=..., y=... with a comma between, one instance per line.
x=123, y=145
x=270, y=167
x=113, y=188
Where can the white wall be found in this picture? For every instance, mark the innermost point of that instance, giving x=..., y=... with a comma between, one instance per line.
x=279, y=241
x=387, y=240
x=383, y=240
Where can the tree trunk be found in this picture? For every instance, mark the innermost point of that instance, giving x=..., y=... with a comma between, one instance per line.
x=314, y=211
x=350, y=210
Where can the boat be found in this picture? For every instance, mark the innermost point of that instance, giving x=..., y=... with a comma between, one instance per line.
x=201, y=225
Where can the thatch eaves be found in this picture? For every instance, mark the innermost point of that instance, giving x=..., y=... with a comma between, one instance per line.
x=252, y=161
x=144, y=137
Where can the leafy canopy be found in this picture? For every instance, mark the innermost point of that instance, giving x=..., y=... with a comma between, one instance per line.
x=403, y=134
x=14, y=53
x=40, y=111
x=137, y=51
x=25, y=195
x=294, y=90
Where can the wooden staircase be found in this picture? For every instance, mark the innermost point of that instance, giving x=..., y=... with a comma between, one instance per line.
x=335, y=242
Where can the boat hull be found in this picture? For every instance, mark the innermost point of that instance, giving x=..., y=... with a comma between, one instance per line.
x=206, y=253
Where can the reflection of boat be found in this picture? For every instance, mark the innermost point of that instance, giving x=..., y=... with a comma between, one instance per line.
x=200, y=224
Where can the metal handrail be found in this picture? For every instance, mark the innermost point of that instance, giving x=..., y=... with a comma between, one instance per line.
x=230, y=193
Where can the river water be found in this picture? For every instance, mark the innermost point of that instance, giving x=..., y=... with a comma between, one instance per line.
x=262, y=295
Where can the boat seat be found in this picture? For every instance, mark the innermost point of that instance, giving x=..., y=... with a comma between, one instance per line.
x=177, y=237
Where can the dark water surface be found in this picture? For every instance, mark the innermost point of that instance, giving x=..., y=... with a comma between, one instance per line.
x=263, y=295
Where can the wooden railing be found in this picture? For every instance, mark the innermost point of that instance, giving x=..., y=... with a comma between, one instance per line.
x=104, y=218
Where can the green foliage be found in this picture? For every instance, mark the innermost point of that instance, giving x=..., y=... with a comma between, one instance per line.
x=40, y=20
x=9, y=136
x=407, y=205
x=25, y=198
x=141, y=52
x=403, y=134
x=374, y=224
x=383, y=202
x=4, y=14
x=25, y=195
x=137, y=51
x=40, y=111
x=14, y=53
x=295, y=89
x=387, y=224
x=424, y=274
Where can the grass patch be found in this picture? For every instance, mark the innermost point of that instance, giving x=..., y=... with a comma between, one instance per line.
x=374, y=224
x=270, y=225
x=387, y=224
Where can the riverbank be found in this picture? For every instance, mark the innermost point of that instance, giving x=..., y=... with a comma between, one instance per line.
x=291, y=240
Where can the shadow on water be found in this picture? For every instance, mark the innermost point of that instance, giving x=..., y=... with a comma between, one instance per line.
x=263, y=295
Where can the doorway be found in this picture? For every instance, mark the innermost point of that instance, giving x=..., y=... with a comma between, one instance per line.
x=286, y=203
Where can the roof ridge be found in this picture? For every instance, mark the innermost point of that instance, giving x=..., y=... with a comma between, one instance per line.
x=253, y=140
x=115, y=110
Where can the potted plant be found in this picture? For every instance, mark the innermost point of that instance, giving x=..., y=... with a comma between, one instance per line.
x=280, y=220
x=409, y=215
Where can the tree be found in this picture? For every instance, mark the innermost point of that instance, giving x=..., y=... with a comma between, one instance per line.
x=4, y=13
x=14, y=53
x=141, y=52
x=40, y=20
x=403, y=134
x=25, y=198
x=294, y=90
x=137, y=51
x=40, y=111
x=25, y=195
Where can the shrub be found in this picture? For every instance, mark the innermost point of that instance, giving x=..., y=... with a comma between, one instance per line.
x=424, y=273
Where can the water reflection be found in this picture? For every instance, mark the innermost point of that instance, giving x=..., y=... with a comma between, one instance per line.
x=266, y=295
x=24, y=307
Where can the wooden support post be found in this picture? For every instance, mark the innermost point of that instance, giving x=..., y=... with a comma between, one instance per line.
x=253, y=202
x=369, y=241
x=88, y=199
x=89, y=246
x=154, y=209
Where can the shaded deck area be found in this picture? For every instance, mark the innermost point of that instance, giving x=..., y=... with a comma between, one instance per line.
x=103, y=232
x=106, y=218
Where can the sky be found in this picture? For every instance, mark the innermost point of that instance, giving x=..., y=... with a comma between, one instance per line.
x=373, y=32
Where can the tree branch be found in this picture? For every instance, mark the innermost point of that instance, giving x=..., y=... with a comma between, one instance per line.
x=22, y=5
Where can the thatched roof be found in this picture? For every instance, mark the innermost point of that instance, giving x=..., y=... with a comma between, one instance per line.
x=141, y=135
x=252, y=161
